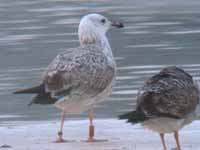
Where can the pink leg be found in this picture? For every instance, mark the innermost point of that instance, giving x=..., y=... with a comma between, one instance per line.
x=163, y=141
x=92, y=129
x=177, y=140
x=60, y=133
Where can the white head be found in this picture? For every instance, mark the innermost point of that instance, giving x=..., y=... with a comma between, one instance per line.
x=93, y=28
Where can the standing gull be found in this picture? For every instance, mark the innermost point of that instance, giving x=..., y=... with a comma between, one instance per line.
x=167, y=102
x=79, y=78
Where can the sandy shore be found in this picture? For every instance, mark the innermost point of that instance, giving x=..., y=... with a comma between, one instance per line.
x=121, y=136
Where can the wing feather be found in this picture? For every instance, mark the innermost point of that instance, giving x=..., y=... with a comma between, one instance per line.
x=171, y=92
x=84, y=69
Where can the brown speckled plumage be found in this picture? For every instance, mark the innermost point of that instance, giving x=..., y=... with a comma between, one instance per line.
x=85, y=69
x=171, y=93
x=166, y=103
x=79, y=78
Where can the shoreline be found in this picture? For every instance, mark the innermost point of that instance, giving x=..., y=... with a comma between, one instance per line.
x=120, y=135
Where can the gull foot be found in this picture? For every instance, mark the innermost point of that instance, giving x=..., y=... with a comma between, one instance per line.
x=175, y=148
x=93, y=140
x=63, y=141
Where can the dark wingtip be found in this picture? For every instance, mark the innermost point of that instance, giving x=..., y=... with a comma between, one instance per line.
x=17, y=92
x=133, y=117
x=32, y=90
x=21, y=92
x=124, y=116
x=30, y=104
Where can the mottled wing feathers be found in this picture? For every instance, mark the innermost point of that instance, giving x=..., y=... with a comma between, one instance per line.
x=85, y=69
x=170, y=93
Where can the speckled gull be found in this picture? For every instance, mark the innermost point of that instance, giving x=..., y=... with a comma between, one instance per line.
x=79, y=78
x=166, y=103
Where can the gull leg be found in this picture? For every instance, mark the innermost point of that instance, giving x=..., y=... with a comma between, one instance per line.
x=176, y=136
x=163, y=141
x=92, y=129
x=60, y=132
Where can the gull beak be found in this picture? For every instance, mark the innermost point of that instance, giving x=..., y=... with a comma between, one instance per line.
x=117, y=24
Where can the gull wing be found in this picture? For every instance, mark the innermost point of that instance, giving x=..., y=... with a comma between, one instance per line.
x=170, y=93
x=85, y=70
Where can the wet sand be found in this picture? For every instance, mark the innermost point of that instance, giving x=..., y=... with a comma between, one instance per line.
x=121, y=136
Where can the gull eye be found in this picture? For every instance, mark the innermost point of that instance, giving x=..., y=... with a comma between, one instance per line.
x=103, y=21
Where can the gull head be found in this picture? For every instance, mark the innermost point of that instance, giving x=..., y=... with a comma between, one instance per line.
x=93, y=28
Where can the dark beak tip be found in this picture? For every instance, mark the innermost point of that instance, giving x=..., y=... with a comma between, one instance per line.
x=121, y=25
x=118, y=24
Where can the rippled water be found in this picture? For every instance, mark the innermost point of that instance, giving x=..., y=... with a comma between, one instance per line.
x=157, y=33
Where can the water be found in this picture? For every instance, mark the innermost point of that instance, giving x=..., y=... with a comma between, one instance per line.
x=157, y=34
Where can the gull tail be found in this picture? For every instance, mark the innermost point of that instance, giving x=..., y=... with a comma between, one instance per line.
x=42, y=96
x=32, y=90
x=134, y=117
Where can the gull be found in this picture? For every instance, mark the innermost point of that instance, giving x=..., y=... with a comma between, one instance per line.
x=166, y=103
x=80, y=78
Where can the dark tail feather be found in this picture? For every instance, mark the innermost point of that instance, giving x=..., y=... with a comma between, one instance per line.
x=43, y=98
x=134, y=117
x=33, y=90
x=126, y=115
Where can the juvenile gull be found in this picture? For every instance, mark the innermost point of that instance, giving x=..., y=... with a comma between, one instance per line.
x=79, y=78
x=167, y=102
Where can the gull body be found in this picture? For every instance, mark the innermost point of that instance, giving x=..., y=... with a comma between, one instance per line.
x=79, y=78
x=166, y=103
x=89, y=81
